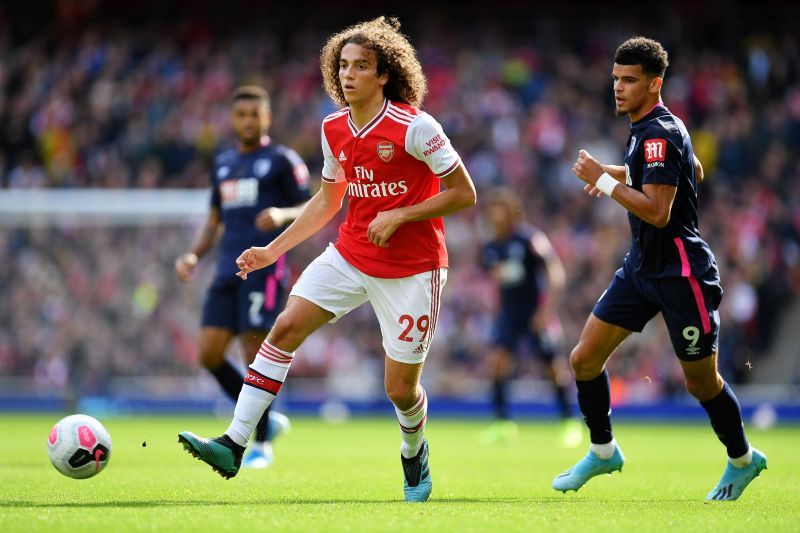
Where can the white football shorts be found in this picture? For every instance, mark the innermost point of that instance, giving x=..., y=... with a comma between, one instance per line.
x=407, y=308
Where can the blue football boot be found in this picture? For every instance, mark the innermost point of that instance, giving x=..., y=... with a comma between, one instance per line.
x=587, y=468
x=279, y=424
x=417, y=483
x=260, y=455
x=735, y=480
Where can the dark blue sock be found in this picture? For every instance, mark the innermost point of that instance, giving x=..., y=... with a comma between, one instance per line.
x=229, y=378
x=561, y=400
x=500, y=398
x=594, y=397
x=726, y=419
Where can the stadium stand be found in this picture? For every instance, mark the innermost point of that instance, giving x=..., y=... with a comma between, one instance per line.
x=104, y=104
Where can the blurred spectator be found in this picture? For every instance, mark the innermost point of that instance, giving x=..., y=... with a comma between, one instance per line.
x=27, y=174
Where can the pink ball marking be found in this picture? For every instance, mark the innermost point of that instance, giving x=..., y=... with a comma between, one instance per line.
x=86, y=438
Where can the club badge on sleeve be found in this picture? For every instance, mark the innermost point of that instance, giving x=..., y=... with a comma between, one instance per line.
x=655, y=150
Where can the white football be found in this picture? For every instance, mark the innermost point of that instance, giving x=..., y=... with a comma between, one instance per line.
x=79, y=446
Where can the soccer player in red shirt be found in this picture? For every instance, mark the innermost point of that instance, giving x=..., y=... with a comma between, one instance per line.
x=391, y=159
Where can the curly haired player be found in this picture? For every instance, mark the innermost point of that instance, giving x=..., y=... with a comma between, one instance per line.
x=401, y=175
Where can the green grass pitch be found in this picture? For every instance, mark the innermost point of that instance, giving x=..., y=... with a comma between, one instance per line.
x=347, y=477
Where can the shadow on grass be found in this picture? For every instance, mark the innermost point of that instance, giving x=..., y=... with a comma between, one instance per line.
x=332, y=501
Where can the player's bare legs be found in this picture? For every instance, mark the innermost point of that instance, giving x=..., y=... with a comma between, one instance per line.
x=411, y=406
x=296, y=322
x=212, y=345
x=401, y=381
x=598, y=341
x=702, y=378
x=500, y=364
x=745, y=463
x=251, y=342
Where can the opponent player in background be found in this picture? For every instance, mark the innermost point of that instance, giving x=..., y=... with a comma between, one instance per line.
x=668, y=269
x=257, y=188
x=392, y=160
x=530, y=277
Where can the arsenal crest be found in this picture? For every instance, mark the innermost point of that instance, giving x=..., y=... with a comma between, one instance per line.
x=386, y=151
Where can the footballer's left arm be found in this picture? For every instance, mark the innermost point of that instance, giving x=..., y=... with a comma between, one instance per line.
x=459, y=193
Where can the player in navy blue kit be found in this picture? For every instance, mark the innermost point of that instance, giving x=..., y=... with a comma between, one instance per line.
x=669, y=269
x=530, y=276
x=257, y=189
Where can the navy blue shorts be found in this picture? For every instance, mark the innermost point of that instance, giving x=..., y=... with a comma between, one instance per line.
x=511, y=328
x=241, y=305
x=688, y=304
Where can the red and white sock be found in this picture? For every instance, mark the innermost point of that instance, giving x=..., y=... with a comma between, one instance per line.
x=412, y=425
x=263, y=380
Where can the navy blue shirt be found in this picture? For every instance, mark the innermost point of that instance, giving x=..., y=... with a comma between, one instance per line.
x=520, y=270
x=244, y=184
x=659, y=151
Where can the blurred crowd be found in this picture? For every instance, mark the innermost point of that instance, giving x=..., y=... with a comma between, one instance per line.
x=112, y=107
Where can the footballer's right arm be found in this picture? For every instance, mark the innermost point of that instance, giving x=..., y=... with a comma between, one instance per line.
x=314, y=216
x=205, y=239
x=615, y=171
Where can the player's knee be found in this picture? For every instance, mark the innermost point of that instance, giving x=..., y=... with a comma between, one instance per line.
x=401, y=394
x=500, y=363
x=287, y=332
x=704, y=388
x=586, y=364
x=696, y=388
x=582, y=363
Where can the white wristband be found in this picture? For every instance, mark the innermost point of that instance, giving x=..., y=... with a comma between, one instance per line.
x=606, y=184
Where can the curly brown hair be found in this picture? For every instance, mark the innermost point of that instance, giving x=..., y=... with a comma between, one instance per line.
x=396, y=57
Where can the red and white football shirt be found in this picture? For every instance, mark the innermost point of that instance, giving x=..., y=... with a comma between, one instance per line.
x=396, y=160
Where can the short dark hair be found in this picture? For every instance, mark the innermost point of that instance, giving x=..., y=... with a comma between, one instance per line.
x=645, y=52
x=250, y=92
